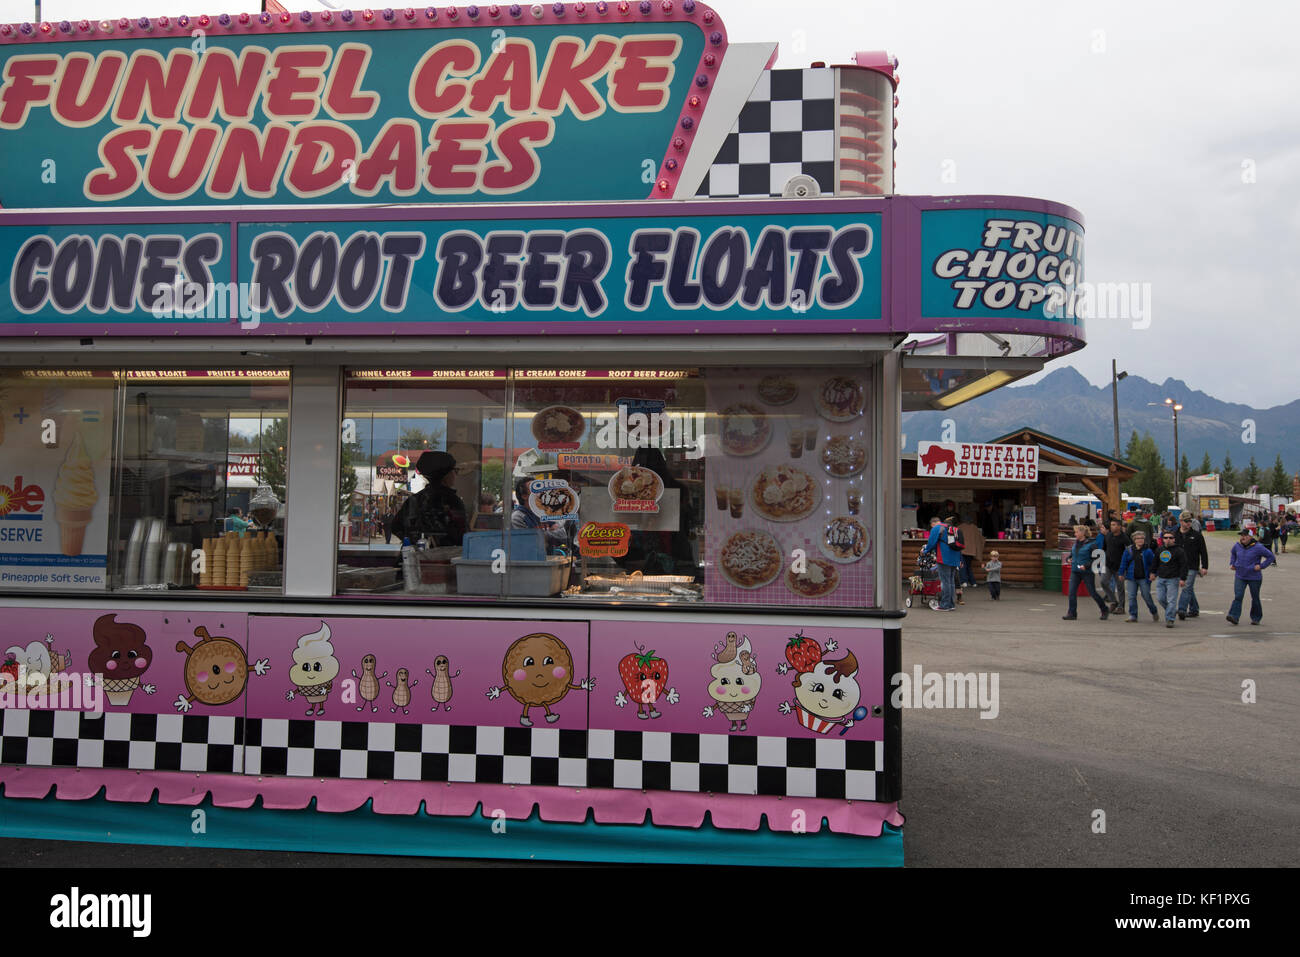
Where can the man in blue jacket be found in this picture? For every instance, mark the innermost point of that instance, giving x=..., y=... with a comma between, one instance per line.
x=1249, y=558
x=943, y=536
x=1134, y=567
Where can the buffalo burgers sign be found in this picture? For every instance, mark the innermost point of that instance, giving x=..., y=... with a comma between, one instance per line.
x=1010, y=463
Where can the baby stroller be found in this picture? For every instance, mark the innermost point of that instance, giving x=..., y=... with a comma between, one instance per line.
x=925, y=582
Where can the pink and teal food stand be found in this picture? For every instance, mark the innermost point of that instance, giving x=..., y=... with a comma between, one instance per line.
x=636, y=312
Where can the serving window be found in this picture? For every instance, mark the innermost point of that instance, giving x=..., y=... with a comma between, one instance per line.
x=143, y=480
x=660, y=486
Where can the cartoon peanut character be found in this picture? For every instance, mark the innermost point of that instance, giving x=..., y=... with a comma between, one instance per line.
x=368, y=686
x=441, y=690
x=401, y=691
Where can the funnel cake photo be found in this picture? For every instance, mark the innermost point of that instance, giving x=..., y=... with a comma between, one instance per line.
x=819, y=578
x=636, y=484
x=784, y=493
x=845, y=540
x=750, y=559
x=844, y=456
x=745, y=429
x=558, y=425
x=840, y=399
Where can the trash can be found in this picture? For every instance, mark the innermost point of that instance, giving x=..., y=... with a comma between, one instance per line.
x=1065, y=578
x=1051, y=571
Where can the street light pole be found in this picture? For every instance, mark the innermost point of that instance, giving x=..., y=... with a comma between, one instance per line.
x=1176, y=407
x=1114, y=399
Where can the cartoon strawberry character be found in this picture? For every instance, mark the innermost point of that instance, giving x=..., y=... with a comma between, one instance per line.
x=10, y=668
x=644, y=675
x=803, y=653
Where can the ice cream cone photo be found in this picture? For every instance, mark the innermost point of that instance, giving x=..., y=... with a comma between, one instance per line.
x=75, y=496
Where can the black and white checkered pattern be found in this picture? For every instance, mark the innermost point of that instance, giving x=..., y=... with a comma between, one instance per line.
x=786, y=128
x=828, y=767
x=163, y=742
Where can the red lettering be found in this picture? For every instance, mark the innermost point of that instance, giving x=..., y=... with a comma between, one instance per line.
x=430, y=95
x=164, y=86
x=21, y=91
x=447, y=157
x=291, y=93
x=73, y=106
x=395, y=157
x=510, y=75
x=569, y=79
x=324, y=153
x=236, y=83
x=120, y=173
x=641, y=83
x=252, y=158
x=194, y=147
x=519, y=166
x=343, y=97
x=988, y=470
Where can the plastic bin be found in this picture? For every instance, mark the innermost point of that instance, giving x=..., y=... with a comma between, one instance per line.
x=1065, y=579
x=1052, y=562
x=526, y=545
x=526, y=579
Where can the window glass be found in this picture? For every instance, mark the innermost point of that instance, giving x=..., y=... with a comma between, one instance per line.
x=657, y=486
x=426, y=453
x=201, y=481
x=56, y=437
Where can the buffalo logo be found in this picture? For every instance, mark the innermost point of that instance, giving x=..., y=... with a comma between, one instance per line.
x=935, y=455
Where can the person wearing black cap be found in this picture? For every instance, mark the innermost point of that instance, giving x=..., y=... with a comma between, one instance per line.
x=1192, y=543
x=436, y=512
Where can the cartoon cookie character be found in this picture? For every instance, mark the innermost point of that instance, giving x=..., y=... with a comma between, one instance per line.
x=314, y=670
x=441, y=675
x=368, y=683
x=827, y=694
x=216, y=670
x=122, y=655
x=537, y=671
x=735, y=681
x=644, y=675
x=401, y=691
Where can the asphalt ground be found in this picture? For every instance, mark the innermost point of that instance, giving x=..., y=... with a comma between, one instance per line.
x=1142, y=723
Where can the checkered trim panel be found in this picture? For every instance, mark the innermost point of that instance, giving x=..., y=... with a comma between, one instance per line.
x=786, y=128
x=161, y=742
x=798, y=767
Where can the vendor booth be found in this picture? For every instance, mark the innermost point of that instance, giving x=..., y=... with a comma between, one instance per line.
x=634, y=297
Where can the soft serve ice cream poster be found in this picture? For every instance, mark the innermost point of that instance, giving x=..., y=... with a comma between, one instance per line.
x=55, y=435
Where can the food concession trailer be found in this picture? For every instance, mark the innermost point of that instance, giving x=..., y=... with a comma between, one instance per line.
x=644, y=303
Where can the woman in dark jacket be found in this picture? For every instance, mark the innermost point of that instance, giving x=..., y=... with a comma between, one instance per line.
x=436, y=511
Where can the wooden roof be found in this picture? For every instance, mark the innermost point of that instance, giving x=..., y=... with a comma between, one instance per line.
x=1064, y=452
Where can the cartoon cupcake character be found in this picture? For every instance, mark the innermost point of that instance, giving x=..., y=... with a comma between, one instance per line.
x=827, y=695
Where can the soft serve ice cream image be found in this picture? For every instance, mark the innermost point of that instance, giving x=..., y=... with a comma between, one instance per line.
x=75, y=496
x=314, y=669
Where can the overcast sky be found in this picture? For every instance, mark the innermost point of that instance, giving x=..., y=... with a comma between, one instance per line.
x=1139, y=115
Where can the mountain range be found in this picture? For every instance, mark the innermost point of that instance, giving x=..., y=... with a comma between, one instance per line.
x=1065, y=404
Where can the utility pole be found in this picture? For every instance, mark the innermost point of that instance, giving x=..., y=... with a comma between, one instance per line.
x=1115, y=376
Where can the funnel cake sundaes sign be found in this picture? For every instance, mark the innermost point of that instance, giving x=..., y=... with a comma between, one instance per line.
x=334, y=108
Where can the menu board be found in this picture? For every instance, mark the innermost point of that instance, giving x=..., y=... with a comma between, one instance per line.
x=55, y=436
x=789, y=473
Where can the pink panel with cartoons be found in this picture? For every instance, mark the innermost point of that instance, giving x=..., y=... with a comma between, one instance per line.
x=421, y=671
x=152, y=662
x=756, y=680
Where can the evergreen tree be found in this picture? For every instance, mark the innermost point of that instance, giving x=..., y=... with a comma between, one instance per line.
x=1250, y=478
x=1186, y=468
x=1279, y=482
x=1228, y=475
x=1206, y=466
x=1153, y=479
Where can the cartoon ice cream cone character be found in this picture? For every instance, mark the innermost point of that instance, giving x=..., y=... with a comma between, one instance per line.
x=314, y=669
x=736, y=681
x=122, y=656
x=74, y=497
